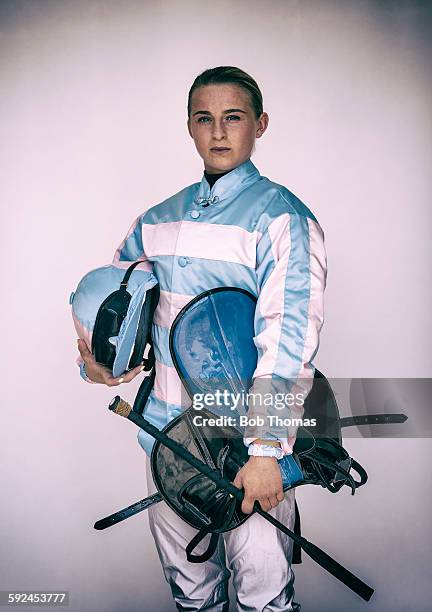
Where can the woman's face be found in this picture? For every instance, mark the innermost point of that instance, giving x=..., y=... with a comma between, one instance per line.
x=222, y=118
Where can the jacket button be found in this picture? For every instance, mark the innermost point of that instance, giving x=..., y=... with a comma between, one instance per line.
x=183, y=261
x=194, y=214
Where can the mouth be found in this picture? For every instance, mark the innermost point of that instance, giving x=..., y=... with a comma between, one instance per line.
x=220, y=149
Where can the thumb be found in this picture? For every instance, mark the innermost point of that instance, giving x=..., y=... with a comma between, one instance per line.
x=238, y=480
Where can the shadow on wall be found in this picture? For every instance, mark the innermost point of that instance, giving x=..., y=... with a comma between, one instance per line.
x=410, y=396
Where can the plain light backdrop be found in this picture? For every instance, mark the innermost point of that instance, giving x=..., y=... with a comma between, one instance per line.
x=93, y=102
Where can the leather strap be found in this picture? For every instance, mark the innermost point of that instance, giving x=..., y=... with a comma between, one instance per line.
x=214, y=538
x=117, y=517
x=143, y=334
x=372, y=419
x=318, y=555
x=129, y=271
x=144, y=391
x=360, y=471
x=296, y=556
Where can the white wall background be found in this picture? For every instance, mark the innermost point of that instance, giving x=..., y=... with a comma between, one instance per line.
x=93, y=104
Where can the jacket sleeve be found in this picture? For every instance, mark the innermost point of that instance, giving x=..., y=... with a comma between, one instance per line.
x=132, y=248
x=291, y=268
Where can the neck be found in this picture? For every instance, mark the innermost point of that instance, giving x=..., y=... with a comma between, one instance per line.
x=213, y=177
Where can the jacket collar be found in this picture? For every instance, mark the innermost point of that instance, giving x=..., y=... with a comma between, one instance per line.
x=227, y=185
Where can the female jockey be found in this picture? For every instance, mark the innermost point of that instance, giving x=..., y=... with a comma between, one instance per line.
x=234, y=228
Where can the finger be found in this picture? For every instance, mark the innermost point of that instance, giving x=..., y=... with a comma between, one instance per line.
x=128, y=376
x=247, y=504
x=265, y=504
x=114, y=381
x=273, y=501
x=84, y=351
x=280, y=495
x=238, y=481
x=111, y=381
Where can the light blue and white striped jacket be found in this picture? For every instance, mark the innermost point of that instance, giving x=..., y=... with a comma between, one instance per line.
x=254, y=234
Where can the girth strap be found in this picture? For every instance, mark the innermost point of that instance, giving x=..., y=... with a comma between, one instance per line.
x=360, y=471
x=214, y=538
x=296, y=556
x=205, y=556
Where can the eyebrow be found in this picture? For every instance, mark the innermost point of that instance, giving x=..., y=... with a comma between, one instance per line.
x=230, y=110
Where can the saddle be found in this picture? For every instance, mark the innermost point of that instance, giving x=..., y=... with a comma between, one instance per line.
x=193, y=466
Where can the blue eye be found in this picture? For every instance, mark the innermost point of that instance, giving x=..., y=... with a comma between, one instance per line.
x=205, y=119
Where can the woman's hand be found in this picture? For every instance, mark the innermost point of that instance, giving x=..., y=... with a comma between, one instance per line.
x=262, y=481
x=100, y=374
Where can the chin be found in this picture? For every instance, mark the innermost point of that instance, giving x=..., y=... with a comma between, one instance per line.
x=221, y=165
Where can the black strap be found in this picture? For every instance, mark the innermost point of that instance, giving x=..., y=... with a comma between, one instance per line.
x=372, y=419
x=360, y=471
x=121, y=515
x=214, y=538
x=128, y=273
x=150, y=361
x=144, y=392
x=322, y=558
x=296, y=556
x=143, y=333
x=318, y=555
x=332, y=449
x=320, y=462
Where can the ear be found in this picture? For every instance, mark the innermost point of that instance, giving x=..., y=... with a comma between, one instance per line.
x=262, y=124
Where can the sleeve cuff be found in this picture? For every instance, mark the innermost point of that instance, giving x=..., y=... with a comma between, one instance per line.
x=285, y=445
x=83, y=374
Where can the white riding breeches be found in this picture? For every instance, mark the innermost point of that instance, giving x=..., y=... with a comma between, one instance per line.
x=258, y=555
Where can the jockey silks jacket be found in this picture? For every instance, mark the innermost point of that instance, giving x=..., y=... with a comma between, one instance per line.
x=249, y=232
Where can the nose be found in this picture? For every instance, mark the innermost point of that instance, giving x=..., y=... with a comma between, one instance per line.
x=218, y=130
